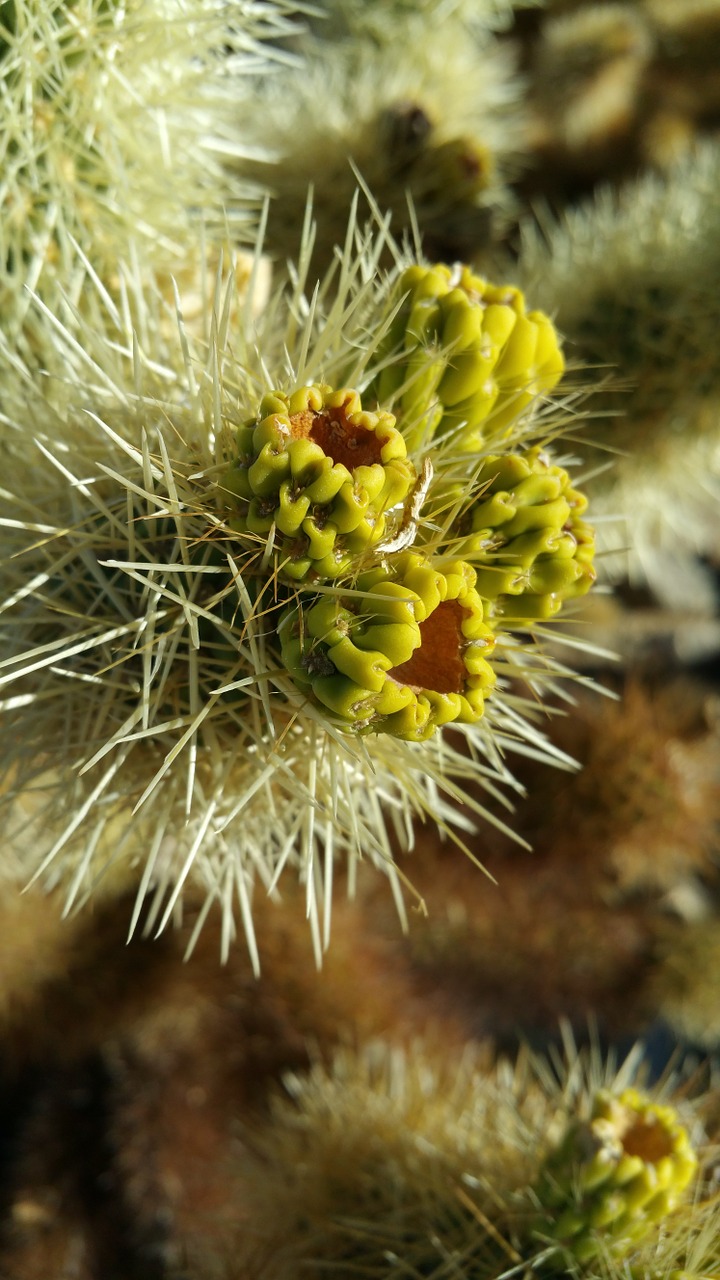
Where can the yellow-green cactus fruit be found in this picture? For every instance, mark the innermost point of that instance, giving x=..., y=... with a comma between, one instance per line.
x=464, y=356
x=616, y=1176
x=321, y=472
x=406, y=656
x=526, y=539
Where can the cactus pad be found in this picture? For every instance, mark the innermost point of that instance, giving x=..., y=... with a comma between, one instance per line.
x=322, y=473
x=408, y=655
x=472, y=358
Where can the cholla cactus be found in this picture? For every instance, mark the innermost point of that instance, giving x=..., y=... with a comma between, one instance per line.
x=151, y=703
x=684, y=980
x=116, y=121
x=428, y=113
x=587, y=79
x=646, y=315
x=394, y=1164
x=617, y=87
x=615, y=1177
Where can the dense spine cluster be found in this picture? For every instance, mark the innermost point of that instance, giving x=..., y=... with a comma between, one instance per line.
x=396, y=1164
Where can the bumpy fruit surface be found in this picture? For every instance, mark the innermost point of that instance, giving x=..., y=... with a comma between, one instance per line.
x=612, y=1179
x=407, y=655
x=471, y=358
x=527, y=540
x=321, y=473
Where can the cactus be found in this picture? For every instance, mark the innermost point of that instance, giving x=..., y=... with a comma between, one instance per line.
x=683, y=983
x=414, y=658
x=613, y=1178
x=472, y=358
x=400, y=1162
x=429, y=117
x=190, y=504
x=616, y=88
x=528, y=543
x=276, y=570
x=321, y=471
x=587, y=78
x=644, y=318
x=127, y=174
x=235, y=676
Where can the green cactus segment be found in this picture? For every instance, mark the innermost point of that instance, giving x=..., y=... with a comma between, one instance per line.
x=464, y=356
x=407, y=656
x=672, y=1275
x=528, y=543
x=322, y=473
x=612, y=1179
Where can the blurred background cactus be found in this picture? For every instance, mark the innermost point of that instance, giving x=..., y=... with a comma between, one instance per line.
x=427, y=114
x=342, y=347
x=648, y=258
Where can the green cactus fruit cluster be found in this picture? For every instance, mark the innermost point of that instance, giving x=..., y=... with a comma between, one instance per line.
x=473, y=360
x=322, y=472
x=407, y=655
x=399, y=640
x=526, y=538
x=613, y=1178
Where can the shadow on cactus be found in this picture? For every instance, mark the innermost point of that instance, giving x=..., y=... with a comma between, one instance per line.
x=234, y=625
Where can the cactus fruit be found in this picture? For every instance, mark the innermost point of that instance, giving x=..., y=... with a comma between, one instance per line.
x=323, y=472
x=614, y=1177
x=475, y=357
x=528, y=543
x=413, y=658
